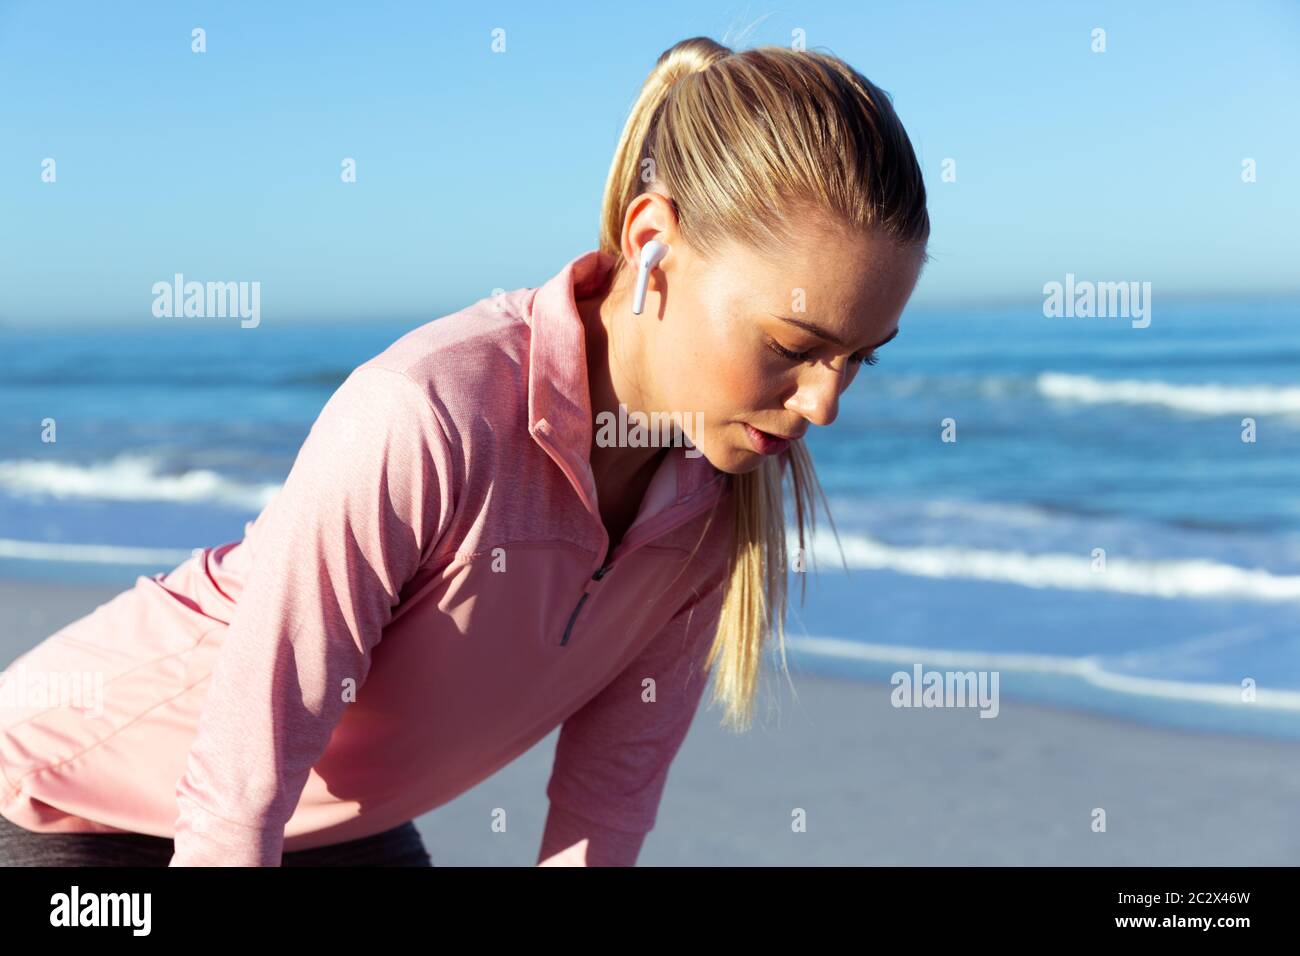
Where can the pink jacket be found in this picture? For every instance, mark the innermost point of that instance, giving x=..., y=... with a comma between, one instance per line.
x=427, y=597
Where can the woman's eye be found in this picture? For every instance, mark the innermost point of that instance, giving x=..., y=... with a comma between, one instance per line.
x=793, y=356
x=869, y=359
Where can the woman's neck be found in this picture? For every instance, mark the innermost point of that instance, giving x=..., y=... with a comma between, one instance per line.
x=613, y=377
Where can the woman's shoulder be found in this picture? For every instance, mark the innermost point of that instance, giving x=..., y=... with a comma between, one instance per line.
x=492, y=328
x=471, y=364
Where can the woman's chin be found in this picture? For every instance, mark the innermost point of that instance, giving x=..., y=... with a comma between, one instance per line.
x=735, y=461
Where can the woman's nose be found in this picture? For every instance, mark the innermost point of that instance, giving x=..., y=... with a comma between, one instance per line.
x=818, y=395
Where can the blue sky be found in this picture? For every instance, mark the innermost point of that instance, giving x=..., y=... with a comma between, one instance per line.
x=478, y=171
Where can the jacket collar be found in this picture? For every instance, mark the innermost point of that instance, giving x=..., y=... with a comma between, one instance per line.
x=559, y=400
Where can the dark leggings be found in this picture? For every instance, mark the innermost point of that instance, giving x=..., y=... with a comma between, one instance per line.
x=400, y=846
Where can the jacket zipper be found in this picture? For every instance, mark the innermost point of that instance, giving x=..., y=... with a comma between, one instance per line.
x=604, y=569
x=586, y=593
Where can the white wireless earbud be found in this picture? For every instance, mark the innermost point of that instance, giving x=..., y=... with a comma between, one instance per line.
x=652, y=253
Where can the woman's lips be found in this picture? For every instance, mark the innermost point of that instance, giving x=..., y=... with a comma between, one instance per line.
x=764, y=443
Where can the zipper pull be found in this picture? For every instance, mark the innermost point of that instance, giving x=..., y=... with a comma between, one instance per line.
x=586, y=593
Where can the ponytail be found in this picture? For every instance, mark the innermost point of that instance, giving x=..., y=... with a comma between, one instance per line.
x=739, y=141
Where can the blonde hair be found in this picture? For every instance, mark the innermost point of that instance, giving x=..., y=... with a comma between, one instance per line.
x=745, y=144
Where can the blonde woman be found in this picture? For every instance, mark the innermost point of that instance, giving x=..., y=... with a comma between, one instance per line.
x=467, y=553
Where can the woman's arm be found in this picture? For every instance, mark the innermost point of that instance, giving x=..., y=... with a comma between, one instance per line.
x=365, y=503
x=613, y=755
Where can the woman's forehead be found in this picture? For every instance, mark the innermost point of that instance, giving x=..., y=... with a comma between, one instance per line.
x=861, y=274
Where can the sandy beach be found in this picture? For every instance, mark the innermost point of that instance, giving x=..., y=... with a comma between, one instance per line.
x=881, y=785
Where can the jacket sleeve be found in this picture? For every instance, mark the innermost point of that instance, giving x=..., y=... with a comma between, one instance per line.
x=614, y=753
x=364, y=504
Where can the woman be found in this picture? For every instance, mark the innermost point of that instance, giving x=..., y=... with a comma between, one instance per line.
x=458, y=563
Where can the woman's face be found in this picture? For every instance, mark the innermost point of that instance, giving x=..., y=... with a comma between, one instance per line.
x=770, y=345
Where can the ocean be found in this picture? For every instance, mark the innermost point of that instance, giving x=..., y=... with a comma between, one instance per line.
x=1065, y=501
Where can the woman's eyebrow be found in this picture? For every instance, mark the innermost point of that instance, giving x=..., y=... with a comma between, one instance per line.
x=830, y=337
